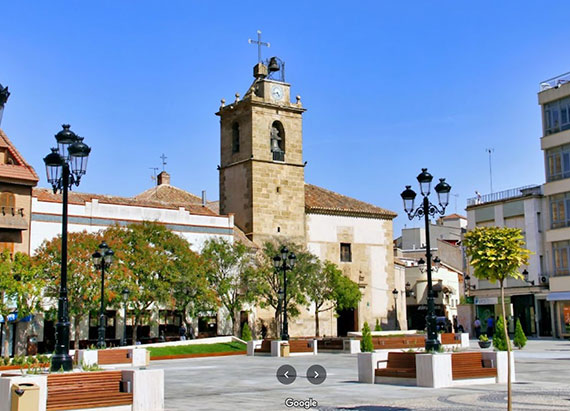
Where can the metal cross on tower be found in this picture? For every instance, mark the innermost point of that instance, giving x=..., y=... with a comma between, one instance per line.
x=163, y=158
x=259, y=44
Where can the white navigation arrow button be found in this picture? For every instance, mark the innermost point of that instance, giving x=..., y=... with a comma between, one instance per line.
x=316, y=374
x=285, y=374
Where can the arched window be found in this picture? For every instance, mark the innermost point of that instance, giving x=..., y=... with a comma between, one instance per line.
x=278, y=141
x=235, y=138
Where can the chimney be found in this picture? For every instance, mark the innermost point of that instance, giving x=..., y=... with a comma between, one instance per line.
x=163, y=178
x=203, y=198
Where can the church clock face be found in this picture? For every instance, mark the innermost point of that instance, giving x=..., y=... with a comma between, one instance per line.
x=277, y=93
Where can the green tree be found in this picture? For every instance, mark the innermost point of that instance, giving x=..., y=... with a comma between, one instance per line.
x=496, y=253
x=328, y=288
x=520, y=338
x=377, y=327
x=246, y=333
x=499, y=339
x=83, y=280
x=366, y=344
x=149, y=260
x=21, y=288
x=268, y=280
x=229, y=268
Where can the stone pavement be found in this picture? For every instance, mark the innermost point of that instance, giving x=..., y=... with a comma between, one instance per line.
x=249, y=383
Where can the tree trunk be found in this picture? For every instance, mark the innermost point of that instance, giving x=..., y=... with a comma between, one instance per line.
x=6, y=328
x=135, y=329
x=235, y=323
x=509, y=392
x=77, y=331
x=317, y=330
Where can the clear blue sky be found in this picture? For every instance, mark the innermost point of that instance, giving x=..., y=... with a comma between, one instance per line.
x=390, y=87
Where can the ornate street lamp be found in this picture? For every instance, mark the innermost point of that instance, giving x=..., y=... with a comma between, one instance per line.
x=425, y=210
x=284, y=262
x=102, y=259
x=125, y=293
x=64, y=167
x=4, y=94
x=525, y=275
x=395, y=294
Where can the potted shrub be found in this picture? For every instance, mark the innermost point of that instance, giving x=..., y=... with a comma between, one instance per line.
x=484, y=341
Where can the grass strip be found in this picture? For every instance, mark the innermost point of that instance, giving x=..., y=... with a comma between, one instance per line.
x=196, y=349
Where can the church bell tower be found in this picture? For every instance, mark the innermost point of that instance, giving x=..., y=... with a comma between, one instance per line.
x=262, y=179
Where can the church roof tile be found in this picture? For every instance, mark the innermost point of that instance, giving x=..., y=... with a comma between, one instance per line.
x=322, y=201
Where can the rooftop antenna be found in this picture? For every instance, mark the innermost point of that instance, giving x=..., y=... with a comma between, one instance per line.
x=154, y=170
x=490, y=151
x=259, y=44
x=455, y=195
x=163, y=158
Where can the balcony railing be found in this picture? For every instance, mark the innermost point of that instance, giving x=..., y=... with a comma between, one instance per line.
x=555, y=81
x=13, y=211
x=505, y=195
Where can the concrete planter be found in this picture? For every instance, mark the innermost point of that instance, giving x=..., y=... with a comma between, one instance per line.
x=433, y=370
x=367, y=364
x=352, y=346
x=499, y=360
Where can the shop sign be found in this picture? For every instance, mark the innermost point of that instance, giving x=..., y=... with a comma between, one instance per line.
x=486, y=300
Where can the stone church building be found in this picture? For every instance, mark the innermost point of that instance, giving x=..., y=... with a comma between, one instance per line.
x=262, y=182
x=263, y=197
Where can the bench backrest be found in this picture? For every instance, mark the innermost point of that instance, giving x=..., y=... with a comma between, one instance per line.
x=449, y=338
x=467, y=360
x=119, y=356
x=300, y=346
x=265, y=346
x=401, y=360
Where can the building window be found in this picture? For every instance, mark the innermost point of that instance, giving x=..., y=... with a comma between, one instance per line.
x=235, y=138
x=558, y=163
x=561, y=251
x=345, y=253
x=277, y=140
x=557, y=116
x=560, y=210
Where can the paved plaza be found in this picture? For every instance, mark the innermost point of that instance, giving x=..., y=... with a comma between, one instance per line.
x=250, y=383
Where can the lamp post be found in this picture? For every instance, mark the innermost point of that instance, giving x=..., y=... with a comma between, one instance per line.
x=102, y=259
x=284, y=262
x=125, y=293
x=65, y=166
x=395, y=294
x=425, y=210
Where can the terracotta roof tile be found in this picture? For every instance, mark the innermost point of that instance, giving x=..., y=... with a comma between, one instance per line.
x=21, y=170
x=168, y=194
x=321, y=201
x=453, y=216
x=43, y=194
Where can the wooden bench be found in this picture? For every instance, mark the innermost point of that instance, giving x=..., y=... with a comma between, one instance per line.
x=330, y=344
x=72, y=391
x=300, y=346
x=470, y=365
x=265, y=347
x=383, y=343
x=450, y=338
x=119, y=356
x=398, y=364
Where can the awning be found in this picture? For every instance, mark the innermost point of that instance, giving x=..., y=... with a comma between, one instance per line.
x=14, y=316
x=559, y=296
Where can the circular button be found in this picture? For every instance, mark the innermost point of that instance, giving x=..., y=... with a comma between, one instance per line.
x=316, y=374
x=286, y=374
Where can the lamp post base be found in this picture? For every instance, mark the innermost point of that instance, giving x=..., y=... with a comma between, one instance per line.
x=61, y=362
x=432, y=345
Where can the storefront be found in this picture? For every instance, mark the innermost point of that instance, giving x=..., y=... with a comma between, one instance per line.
x=561, y=304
